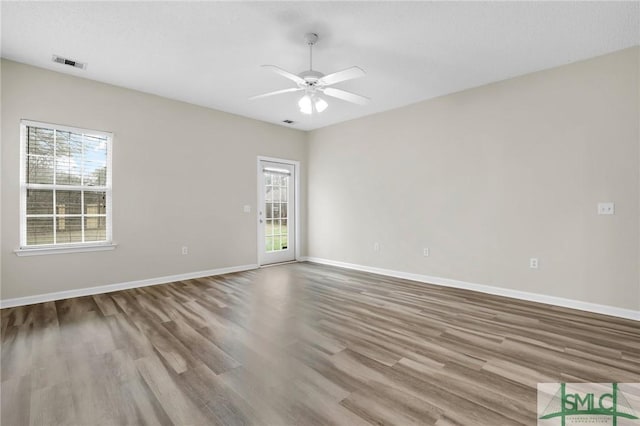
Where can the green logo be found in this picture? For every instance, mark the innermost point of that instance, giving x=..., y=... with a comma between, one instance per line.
x=586, y=403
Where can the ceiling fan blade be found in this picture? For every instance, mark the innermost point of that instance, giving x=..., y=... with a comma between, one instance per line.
x=346, y=96
x=277, y=92
x=284, y=73
x=344, y=75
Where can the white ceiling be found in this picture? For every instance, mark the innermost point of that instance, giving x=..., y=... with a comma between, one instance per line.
x=209, y=53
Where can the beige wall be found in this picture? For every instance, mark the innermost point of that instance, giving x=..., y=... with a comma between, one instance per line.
x=485, y=178
x=181, y=175
x=489, y=177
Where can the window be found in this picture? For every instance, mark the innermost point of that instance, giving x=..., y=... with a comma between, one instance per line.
x=65, y=187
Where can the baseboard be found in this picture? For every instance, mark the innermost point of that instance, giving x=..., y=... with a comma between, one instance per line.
x=498, y=291
x=59, y=295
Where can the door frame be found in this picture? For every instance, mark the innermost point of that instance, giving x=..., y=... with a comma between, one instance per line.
x=296, y=204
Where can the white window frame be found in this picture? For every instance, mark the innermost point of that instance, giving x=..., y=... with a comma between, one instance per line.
x=28, y=250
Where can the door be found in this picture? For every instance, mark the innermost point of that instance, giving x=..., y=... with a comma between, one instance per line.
x=276, y=212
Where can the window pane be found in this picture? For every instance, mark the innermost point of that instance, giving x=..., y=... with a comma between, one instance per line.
x=39, y=141
x=95, y=202
x=68, y=171
x=95, y=160
x=269, y=193
x=75, y=139
x=68, y=230
x=268, y=243
x=95, y=228
x=276, y=227
x=283, y=229
x=276, y=210
x=68, y=146
x=68, y=202
x=268, y=229
x=39, y=201
x=39, y=230
x=283, y=210
x=284, y=242
x=267, y=178
x=68, y=159
x=95, y=174
x=39, y=169
x=95, y=149
x=269, y=210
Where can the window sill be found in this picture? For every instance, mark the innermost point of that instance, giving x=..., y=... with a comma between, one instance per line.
x=37, y=251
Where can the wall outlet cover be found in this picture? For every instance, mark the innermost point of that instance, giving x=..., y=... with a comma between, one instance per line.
x=606, y=208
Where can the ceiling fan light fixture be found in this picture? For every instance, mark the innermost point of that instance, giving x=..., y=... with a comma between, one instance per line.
x=311, y=103
x=321, y=105
x=306, y=107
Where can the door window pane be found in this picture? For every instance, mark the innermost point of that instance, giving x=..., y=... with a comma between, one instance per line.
x=276, y=211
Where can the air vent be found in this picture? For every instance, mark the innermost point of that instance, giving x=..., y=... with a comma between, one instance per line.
x=288, y=121
x=69, y=62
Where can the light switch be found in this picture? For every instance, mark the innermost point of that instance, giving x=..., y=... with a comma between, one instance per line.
x=247, y=208
x=606, y=208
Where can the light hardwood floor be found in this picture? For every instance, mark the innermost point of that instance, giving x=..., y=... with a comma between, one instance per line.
x=300, y=344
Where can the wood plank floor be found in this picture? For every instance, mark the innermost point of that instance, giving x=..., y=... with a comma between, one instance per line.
x=299, y=344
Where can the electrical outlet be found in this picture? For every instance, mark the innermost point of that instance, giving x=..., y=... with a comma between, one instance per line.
x=425, y=252
x=376, y=246
x=533, y=263
x=185, y=250
x=606, y=208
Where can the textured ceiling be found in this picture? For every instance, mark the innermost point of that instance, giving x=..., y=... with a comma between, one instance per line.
x=209, y=53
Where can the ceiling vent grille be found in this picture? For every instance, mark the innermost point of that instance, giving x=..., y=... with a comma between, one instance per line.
x=69, y=62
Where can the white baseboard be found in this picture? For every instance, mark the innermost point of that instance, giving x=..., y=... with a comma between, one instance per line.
x=59, y=295
x=498, y=291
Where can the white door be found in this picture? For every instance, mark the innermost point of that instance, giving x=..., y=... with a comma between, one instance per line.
x=276, y=212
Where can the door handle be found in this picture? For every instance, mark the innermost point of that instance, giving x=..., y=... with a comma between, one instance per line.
x=260, y=220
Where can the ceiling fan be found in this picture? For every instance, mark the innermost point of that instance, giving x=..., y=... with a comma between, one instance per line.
x=314, y=83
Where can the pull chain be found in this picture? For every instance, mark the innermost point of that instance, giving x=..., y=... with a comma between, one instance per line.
x=311, y=56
